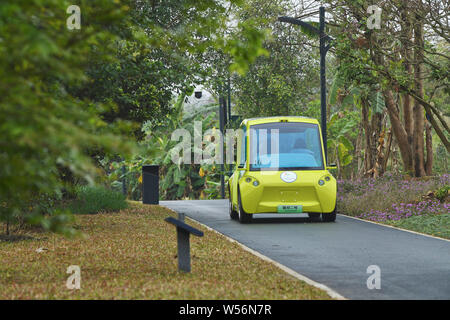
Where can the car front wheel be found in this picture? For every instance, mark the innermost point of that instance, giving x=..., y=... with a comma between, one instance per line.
x=232, y=212
x=314, y=216
x=243, y=216
x=329, y=217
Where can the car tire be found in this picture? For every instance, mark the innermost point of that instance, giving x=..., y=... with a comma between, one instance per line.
x=314, y=216
x=329, y=217
x=233, y=213
x=242, y=215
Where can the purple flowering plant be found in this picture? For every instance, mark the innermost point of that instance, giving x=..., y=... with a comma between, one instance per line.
x=391, y=197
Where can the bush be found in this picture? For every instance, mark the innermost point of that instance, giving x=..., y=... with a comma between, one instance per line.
x=48, y=127
x=96, y=199
x=186, y=181
x=442, y=193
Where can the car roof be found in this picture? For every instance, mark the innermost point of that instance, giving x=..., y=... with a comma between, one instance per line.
x=253, y=121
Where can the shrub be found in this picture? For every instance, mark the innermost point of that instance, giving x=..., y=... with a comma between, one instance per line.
x=96, y=199
x=442, y=193
x=177, y=181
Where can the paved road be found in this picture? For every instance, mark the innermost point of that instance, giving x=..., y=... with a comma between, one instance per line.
x=338, y=254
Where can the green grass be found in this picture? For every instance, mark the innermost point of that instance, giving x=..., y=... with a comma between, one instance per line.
x=90, y=200
x=131, y=254
x=435, y=225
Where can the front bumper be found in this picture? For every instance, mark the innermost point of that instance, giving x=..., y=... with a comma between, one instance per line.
x=272, y=192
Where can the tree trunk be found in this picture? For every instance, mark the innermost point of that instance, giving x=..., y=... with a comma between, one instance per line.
x=367, y=133
x=429, y=147
x=388, y=150
x=408, y=117
x=418, y=111
x=379, y=163
x=410, y=134
x=399, y=131
x=377, y=146
x=359, y=142
x=395, y=156
x=406, y=36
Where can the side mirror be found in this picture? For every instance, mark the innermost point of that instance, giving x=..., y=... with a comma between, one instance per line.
x=331, y=166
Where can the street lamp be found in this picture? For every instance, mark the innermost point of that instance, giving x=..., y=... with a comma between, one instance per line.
x=222, y=123
x=198, y=94
x=324, y=47
x=224, y=119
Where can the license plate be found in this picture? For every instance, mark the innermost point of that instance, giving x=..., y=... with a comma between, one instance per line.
x=290, y=209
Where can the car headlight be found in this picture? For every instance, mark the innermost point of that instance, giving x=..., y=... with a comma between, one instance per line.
x=327, y=178
x=321, y=182
x=256, y=183
x=248, y=179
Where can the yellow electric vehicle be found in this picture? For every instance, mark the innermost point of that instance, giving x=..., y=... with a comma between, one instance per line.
x=281, y=168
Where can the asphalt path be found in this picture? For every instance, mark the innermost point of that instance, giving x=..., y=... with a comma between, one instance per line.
x=412, y=266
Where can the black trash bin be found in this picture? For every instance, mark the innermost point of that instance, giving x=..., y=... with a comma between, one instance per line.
x=150, y=184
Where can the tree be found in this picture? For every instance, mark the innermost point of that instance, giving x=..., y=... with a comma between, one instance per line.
x=157, y=63
x=283, y=81
x=51, y=119
x=398, y=59
x=42, y=126
x=362, y=94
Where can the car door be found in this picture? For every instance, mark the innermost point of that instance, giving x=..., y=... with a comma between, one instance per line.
x=241, y=162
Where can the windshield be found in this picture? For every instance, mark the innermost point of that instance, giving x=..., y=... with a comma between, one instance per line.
x=285, y=146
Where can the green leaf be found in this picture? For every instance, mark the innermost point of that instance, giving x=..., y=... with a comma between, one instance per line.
x=338, y=83
x=376, y=101
x=349, y=99
x=348, y=145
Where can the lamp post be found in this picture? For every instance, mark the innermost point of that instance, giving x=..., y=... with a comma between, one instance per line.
x=324, y=47
x=229, y=99
x=222, y=119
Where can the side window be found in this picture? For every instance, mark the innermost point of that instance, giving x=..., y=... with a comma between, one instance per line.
x=243, y=155
x=313, y=143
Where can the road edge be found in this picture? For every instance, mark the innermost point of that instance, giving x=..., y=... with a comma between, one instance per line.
x=332, y=293
x=393, y=227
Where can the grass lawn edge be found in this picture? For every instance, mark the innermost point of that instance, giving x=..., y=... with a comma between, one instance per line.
x=394, y=227
x=136, y=259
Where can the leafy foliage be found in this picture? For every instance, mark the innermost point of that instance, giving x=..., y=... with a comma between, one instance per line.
x=396, y=66
x=281, y=82
x=68, y=97
x=97, y=199
x=341, y=127
x=43, y=127
x=177, y=181
x=442, y=193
